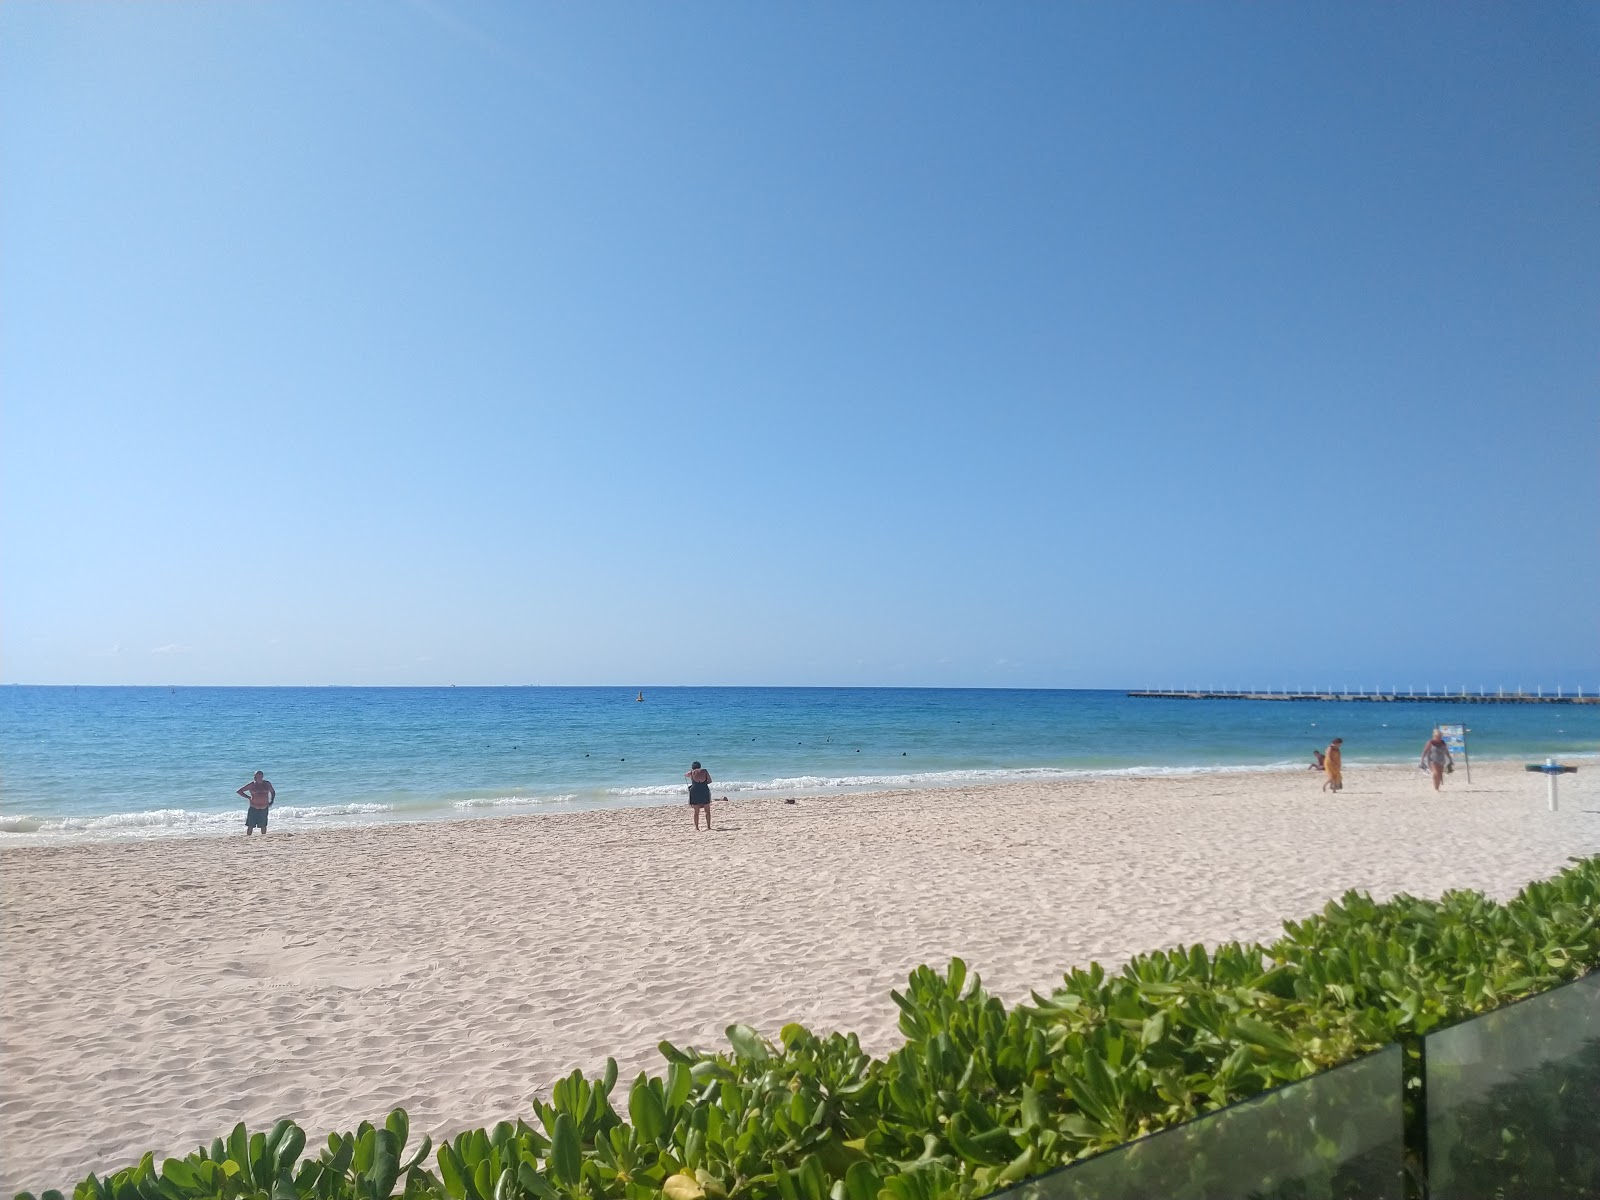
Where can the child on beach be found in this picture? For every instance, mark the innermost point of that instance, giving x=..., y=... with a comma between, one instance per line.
x=260, y=792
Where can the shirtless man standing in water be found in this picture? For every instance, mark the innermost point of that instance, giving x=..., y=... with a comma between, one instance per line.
x=260, y=792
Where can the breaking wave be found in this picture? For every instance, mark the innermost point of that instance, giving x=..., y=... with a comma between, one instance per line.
x=511, y=801
x=811, y=783
x=180, y=822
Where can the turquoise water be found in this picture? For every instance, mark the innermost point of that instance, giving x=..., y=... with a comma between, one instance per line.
x=98, y=763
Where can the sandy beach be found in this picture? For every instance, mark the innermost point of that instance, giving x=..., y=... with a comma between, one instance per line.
x=155, y=993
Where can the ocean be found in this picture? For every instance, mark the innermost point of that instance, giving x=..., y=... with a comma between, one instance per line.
x=94, y=764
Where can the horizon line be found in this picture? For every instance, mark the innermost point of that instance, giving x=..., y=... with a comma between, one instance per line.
x=1442, y=692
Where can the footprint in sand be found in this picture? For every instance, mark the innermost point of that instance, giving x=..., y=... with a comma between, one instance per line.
x=296, y=962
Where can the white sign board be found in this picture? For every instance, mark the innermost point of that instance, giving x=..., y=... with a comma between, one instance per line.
x=1455, y=739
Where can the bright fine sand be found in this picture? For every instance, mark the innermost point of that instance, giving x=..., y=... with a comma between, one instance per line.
x=156, y=993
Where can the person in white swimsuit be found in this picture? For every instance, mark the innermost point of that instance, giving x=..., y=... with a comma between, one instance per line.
x=1437, y=759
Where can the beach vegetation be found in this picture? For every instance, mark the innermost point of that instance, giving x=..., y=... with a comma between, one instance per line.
x=980, y=1095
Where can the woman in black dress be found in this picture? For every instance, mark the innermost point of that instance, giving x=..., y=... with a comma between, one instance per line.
x=699, y=792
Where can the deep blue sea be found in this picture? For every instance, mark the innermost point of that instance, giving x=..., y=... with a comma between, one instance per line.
x=117, y=763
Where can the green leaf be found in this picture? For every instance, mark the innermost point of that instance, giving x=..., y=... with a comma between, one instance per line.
x=260, y=1168
x=694, y=1148
x=861, y=1182
x=967, y=1147
x=837, y=1156
x=344, y=1153
x=419, y=1155
x=671, y=1053
x=385, y=1170
x=812, y=1178
x=452, y=1172
x=679, y=1081
x=1032, y=1109
x=1019, y=1168
x=384, y=1143
x=180, y=1173
x=646, y=1111
x=290, y=1146
x=274, y=1136
x=1090, y=1097
x=398, y=1124
x=502, y=1135
x=565, y=1153
x=747, y=1044
x=1258, y=1033
x=534, y=1183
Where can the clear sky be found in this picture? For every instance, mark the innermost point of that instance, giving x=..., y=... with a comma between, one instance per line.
x=1013, y=344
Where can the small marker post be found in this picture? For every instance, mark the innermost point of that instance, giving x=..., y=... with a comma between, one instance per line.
x=1551, y=769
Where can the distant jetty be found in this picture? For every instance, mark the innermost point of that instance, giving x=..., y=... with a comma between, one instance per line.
x=1411, y=696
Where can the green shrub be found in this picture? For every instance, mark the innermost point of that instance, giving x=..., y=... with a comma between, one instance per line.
x=979, y=1096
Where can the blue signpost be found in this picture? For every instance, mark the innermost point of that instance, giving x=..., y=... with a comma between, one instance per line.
x=1551, y=770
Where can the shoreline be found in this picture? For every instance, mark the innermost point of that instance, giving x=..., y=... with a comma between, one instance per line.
x=160, y=825
x=155, y=994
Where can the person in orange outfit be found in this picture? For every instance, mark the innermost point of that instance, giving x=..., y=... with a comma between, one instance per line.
x=1333, y=766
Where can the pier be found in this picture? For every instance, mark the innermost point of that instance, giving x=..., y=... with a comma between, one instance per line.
x=1410, y=696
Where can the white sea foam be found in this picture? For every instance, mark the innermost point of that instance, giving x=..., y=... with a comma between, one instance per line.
x=180, y=822
x=511, y=801
x=316, y=811
x=979, y=775
x=154, y=818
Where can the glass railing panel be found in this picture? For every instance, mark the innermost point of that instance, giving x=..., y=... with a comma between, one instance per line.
x=1513, y=1100
x=1335, y=1136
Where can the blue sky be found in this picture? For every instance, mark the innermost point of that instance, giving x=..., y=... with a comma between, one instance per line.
x=983, y=344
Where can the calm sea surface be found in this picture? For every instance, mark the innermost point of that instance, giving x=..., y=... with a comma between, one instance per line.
x=115, y=763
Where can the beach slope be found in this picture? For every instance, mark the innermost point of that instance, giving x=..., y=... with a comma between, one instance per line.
x=155, y=993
